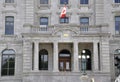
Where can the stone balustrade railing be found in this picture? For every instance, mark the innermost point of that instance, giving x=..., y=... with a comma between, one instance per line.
x=83, y=29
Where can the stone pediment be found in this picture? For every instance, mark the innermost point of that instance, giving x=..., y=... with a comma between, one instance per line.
x=66, y=30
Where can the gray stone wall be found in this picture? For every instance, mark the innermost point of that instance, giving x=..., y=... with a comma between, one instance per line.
x=26, y=13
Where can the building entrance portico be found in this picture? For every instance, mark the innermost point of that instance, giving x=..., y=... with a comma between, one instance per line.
x=61, y=56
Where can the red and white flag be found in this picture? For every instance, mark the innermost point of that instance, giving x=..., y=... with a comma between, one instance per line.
x=63, y=13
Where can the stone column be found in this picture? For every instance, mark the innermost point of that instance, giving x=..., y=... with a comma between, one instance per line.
x=36, y=57
x=95, y=53
x=55, y=57
x=75, y=58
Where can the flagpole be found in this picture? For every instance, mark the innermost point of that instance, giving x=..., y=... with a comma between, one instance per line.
x=65, y=16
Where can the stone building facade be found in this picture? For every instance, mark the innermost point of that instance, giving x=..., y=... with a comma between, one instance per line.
x=37, y=45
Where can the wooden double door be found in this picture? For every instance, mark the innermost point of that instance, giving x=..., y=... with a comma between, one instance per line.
x=65, y=64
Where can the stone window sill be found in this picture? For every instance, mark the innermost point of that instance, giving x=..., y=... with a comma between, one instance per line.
x=11, y=36
x=44, y=6
x=116, y=5
x=83, y=5
x=62, y=5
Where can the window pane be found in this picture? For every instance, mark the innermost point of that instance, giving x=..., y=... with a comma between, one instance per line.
x=83, y=1
x=11, y=58
x=11, y=64
x=5, y=61
x=4, y=72
x=61, y=65
x=45, y=58
x=64, y=20
x=63, y=1
x=84, y=20
x=9, y=25
x=8, y=51
x=44, y=21
x=43, y=1
x=9, y=1
x=117, y=24
x=5, y=64
x=11, y=71
x=117, y=1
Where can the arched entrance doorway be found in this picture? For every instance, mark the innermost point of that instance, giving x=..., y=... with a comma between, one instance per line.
x=43, y=59
x=64, y=60
x=86, y=58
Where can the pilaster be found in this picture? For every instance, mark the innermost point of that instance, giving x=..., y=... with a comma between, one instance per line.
x=27, y=55
x=95, y=57
x=105, y=56
x=55, y=57
x=75, y=58
x=36, y=57
x=29, y=12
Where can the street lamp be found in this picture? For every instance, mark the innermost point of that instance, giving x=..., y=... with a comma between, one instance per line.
x=117, y=64
x=84, y=56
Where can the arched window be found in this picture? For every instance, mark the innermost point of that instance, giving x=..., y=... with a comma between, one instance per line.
x=43, y=59
x=8, y=62
x=64, y=60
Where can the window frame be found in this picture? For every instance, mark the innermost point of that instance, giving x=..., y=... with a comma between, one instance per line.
x=9, y=1
x=44, y=2
x=116, y=1
x=84, y=23
x=8, y=68
x=64, y=20
x=117, y=25
x=62, y=2
x=40, y=22
x=9, y=29
x=84, y=1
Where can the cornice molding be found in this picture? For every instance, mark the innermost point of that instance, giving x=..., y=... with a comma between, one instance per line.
x=9, y=11
x=9, y=4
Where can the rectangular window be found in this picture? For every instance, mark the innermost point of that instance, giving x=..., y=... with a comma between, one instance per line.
x=117, y=1
x=84, y=21
x=83, y=1
x=43, y=23
x=43, y=1
x=9, y=25
x=43, y=20
x=64, y=20
x=117, y=24
x=9, y=1
x=63, y=1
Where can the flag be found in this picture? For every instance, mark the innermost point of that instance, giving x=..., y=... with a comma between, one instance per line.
x=63, y=13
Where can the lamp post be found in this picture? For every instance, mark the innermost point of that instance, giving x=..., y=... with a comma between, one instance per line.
x=117, y=64
x=84, y=56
